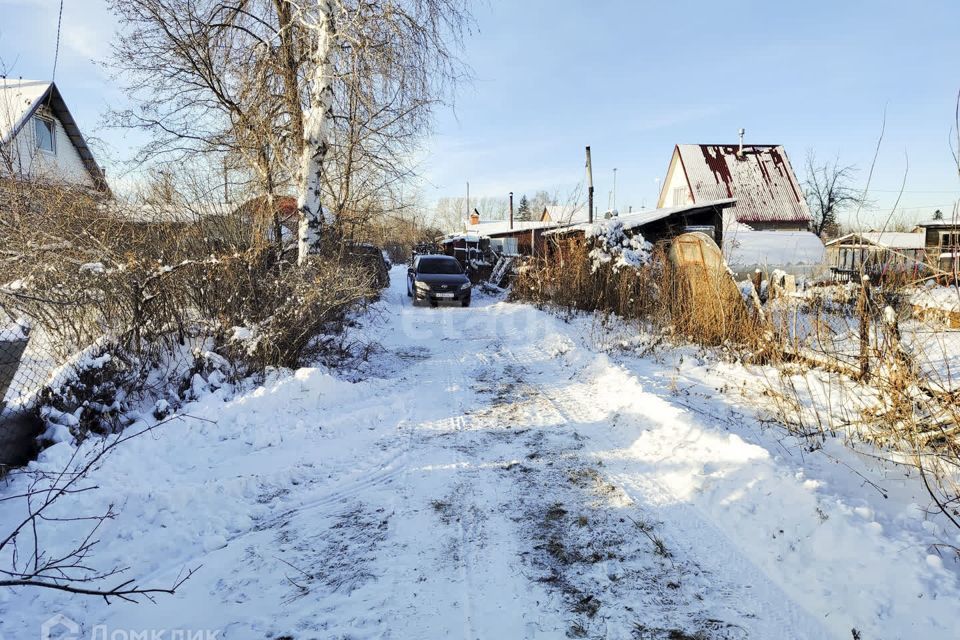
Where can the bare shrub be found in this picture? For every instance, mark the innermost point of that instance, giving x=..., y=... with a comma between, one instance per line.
x=301, y=306
x=139, y=282
x=891, y=381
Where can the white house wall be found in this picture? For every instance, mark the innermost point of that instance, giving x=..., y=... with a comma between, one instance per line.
x=65, y=165
x=675, y=192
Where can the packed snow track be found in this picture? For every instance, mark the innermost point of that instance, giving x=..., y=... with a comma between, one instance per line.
x=490, y=476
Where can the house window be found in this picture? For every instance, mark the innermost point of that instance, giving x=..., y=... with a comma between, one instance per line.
x=949, y=239
x=45, y=130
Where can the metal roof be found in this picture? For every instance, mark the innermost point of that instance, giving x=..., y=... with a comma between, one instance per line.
x=641, y=218
x=20, y=99
x=760, y=178
x=884, y=239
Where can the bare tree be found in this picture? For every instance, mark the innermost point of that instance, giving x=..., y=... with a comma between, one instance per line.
x=342, y=90
x=829, y=191
x=30, y=564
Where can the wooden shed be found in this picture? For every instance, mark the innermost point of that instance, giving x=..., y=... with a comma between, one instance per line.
x=654, y=225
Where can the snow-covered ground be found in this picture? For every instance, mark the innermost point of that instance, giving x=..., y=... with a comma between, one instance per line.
x=500, y=473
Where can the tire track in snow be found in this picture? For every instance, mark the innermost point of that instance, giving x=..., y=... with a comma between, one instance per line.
x=686, y=525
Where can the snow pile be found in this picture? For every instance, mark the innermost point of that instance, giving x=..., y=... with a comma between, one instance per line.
x=95, y=268
x=611, y=244
x=937, y=297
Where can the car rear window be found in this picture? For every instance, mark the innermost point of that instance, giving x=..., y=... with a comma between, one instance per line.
x=435, y=266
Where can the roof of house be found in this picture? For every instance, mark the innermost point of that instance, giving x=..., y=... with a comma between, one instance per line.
x=641, y=218
x=20, y=99
x=884, y=239
x=944, y=223
x=502, y=227
x=761, y=179
x=566, y=214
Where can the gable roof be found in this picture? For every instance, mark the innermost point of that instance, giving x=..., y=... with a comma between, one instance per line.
x=761, y=179
x=883, y=239
x=564, y=214
x=20, y=99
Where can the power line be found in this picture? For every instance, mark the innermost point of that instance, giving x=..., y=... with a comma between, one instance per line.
x=913, y=191
x=56, y=53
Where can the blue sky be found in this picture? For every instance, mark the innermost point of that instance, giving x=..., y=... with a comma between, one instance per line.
x=632, y=79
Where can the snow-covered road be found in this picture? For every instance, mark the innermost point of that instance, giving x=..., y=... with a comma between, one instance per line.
x=492, y=476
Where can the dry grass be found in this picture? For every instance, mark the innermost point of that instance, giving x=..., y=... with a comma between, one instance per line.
x=698, y=304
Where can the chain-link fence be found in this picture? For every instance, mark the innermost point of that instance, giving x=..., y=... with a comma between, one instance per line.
x=26, y=366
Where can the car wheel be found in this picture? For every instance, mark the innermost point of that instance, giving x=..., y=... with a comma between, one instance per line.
x=465, y=303
x=409, y=291
x=434, y=303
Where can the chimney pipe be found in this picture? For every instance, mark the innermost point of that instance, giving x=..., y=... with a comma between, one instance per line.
x=740, y=151
x=511, y=211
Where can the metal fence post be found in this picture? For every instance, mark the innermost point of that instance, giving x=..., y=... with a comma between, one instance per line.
x=863, y=308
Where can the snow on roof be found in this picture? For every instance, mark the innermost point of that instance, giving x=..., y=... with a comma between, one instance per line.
x=498, y=227
x=151, y=213
x=641, y=218
x=761, y=179
x=567, y=214
x=885, y=239
x=773, y=248
x=940, y=223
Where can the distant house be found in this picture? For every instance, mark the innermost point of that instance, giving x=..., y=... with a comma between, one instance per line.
x=40, y=140
x=879, y=254
x=941, y=240
x=564, y=214
x=768, y=195
x=517, y=238
x=255, y=213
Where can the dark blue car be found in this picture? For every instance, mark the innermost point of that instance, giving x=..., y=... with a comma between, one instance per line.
x=437, y=279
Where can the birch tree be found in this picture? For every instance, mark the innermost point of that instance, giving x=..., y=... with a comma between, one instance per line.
x=316, y=126
x=327, y=99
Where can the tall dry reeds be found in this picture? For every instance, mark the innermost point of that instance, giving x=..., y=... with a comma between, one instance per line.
x=700, y=304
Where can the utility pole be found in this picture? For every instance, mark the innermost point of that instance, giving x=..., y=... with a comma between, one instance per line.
x=614, y=188
x=511, y=210
x=589, y=187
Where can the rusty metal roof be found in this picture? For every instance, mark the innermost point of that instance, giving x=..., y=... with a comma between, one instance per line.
x=761, y=179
